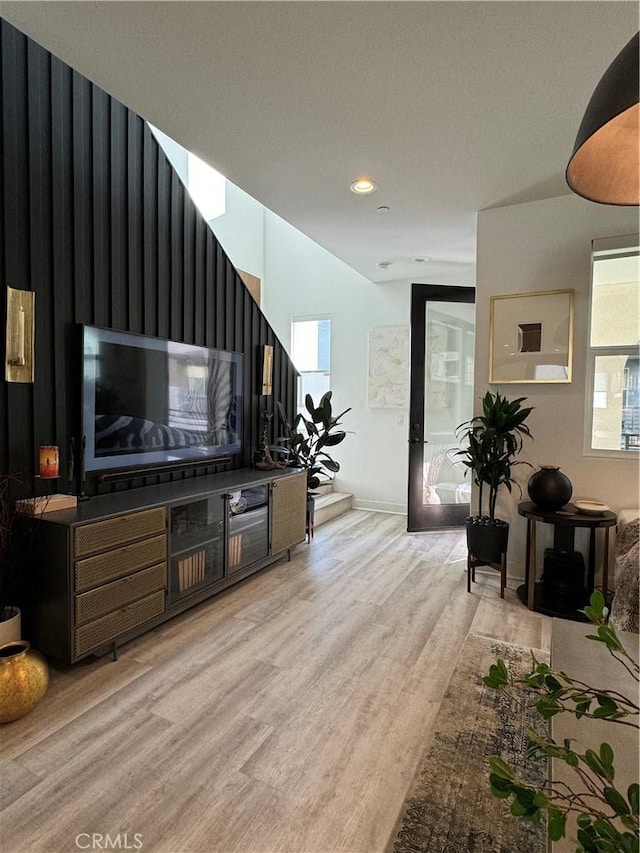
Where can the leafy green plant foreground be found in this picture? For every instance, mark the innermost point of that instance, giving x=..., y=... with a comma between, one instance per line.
x=607, y=817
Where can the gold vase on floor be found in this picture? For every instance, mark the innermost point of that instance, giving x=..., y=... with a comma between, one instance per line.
x=24, y=677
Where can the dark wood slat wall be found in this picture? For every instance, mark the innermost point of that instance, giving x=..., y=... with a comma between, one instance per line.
x=97, y=223
x=16, y=227
x=4, y=396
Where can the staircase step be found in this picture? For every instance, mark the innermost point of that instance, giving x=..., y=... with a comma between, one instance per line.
x=324, y=489
x=331, y=505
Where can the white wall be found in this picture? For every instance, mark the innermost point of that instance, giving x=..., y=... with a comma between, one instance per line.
x=546, y=245
x=301, y=278
x=241, y=231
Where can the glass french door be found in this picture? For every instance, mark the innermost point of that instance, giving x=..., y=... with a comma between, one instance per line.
x=442, y=354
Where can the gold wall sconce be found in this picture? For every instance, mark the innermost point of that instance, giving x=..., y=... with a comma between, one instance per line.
x=20, y=335
x=267, y=370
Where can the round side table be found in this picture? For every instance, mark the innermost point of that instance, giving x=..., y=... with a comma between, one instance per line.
x=565, y=522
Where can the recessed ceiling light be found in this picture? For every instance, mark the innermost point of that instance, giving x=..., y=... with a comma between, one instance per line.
x=383, y=265
x=421, y=260
x=363, y=186
x=383, y=209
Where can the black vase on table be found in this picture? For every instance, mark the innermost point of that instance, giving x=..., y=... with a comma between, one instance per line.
x=549, y=488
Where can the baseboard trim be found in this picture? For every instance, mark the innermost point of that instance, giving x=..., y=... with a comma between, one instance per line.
x=380, y=506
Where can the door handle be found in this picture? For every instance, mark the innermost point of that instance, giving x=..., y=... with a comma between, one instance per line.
x=417, y=441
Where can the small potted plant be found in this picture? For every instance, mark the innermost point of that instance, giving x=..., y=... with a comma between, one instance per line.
x=493, y=440
x=307, y=439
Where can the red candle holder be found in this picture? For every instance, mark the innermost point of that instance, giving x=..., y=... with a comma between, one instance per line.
x=49, y=461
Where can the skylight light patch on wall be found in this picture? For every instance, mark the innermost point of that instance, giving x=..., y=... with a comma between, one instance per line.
x=207, y=187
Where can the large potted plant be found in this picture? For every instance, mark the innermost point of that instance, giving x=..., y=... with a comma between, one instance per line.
x=493, y=440
x=307, y=439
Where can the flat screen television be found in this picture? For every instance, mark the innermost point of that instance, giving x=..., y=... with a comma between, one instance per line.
x=149, y=401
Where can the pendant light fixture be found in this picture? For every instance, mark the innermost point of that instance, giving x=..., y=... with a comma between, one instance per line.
x=605, y=164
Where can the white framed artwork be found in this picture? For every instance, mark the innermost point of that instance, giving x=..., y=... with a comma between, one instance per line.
x=531, y=336
x=388, y=369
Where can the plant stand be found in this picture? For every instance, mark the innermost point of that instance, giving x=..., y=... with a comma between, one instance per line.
x=311, y=506
x=473, y=562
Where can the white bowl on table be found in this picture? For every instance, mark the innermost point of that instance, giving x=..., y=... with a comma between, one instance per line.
x=590, y=507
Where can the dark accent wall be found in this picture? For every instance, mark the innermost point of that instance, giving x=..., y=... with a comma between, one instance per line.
x=94, y=220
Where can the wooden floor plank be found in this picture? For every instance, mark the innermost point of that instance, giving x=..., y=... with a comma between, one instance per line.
x=15, y=780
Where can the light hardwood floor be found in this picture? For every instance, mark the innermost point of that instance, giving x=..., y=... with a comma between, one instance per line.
x=288, y=714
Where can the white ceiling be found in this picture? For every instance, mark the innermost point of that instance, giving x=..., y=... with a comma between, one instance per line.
x=451, y=107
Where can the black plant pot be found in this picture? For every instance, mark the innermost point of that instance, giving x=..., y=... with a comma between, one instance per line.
x=487, y=538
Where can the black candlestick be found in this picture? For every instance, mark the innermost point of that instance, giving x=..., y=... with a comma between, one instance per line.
x=83, y=447
x=71, y=452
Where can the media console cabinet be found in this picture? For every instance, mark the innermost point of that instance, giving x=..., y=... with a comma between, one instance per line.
x=121, y=564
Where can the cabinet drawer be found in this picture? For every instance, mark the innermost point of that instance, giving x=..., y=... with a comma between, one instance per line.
x=121, y=561
x=113, y=595
x=91, y=538
x=107, y=628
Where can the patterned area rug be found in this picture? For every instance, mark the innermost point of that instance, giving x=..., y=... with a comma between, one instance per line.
x=450, y=808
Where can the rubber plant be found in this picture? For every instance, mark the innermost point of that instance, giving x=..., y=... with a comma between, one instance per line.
x=491, y=442
x=607, y=817
x=309, y=435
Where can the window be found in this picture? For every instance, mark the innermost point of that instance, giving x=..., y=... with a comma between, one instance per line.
x=311, y=354
x=613, y=408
